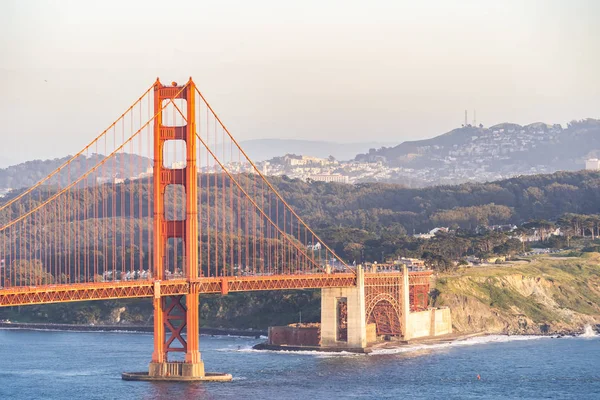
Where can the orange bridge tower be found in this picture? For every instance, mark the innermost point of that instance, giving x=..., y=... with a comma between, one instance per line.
x=174, y=315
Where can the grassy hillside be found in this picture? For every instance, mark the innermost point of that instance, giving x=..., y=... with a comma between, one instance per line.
x=548, y=294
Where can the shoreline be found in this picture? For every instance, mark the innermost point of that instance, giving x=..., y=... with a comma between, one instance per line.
x=422, y=343
x=125, y=328
x=258, y=333
x=392, y=344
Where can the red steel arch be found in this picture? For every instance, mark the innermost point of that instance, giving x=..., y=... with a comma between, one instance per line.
x=384, y=310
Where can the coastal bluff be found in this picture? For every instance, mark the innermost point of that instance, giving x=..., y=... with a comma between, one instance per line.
x=544, y=295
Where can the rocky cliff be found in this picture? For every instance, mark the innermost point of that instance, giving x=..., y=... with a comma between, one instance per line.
x=545, y=295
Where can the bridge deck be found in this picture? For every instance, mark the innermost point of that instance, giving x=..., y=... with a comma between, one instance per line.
x=44, y=294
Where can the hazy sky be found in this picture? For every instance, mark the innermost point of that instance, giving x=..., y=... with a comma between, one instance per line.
x=334, y=70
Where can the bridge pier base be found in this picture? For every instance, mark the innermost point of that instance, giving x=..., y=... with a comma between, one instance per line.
x=182, y=372
x=173, y=316
x=343, y=322
x=182, y=369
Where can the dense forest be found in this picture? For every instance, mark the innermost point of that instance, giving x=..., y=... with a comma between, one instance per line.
x=366, y=222
x=372, y=206
x=371, y=222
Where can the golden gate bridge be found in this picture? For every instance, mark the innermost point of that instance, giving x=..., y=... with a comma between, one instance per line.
x=165, y=204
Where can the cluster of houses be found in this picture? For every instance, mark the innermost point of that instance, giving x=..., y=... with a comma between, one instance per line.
x=534, y=235
x=327, y=169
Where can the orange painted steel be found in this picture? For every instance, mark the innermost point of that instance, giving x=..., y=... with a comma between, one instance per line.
x=98, y=226
x=270, y=186
x=419, y=283
x=274, y=282
x=383, y=301
x=175, y=321
x=383, y=298
x=85, y=239
x=186, y=230
x=29, y=295
x=74, y=157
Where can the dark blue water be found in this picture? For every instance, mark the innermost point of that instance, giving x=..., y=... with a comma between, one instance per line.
x=71, y=365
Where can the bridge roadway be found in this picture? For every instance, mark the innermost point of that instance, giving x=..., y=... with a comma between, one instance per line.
x=43, y=294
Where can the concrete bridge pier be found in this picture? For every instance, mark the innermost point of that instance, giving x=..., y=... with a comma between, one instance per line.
x=343, y=321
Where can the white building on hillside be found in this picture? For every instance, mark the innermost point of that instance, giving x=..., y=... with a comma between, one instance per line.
x=101, y=180
x=330, y=178
x=306, y=160
x=592, y=164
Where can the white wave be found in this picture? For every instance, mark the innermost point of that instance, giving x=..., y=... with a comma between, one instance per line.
x=396, y=350
x=457, y=343
x=125, y=331
x=313, y=353
x=224, y=336
x=588, y=332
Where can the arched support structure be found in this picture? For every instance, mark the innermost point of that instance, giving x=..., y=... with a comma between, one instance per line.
x=395, y=301
x=384, y=311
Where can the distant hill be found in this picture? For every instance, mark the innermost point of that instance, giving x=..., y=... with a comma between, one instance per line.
x=266, y=149
x=127, y=165
x=504, y=148
x=29, y=173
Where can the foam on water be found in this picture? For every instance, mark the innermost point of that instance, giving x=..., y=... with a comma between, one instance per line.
x=588, y=332
x=313, y=353
x=218, y=336
x=480, y=340
x=466, y=342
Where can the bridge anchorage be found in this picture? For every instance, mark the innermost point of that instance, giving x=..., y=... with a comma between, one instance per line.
x=164, y=204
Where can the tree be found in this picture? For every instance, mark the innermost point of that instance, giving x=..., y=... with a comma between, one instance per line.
x=542, y=226
x=437, y=262
x=566, y=225
x=522, y=233
x=591, y=223
x=29, y=273
x=509, y=248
